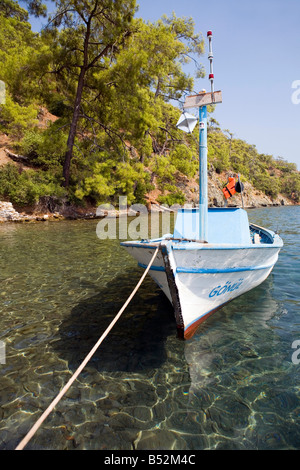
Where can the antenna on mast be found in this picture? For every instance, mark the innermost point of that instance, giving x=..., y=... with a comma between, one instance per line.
x=201, y=101
x=203, y=98
x=211, y=57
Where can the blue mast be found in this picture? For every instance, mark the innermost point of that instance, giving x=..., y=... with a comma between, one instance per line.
x=203, y=196
x=201, y=101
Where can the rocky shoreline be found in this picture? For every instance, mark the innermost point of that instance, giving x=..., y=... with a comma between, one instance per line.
x=9, y=214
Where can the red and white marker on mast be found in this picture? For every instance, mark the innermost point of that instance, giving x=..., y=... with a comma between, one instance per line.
x=211, y=57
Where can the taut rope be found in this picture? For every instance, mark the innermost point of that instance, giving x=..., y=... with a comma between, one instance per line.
x=39, y=422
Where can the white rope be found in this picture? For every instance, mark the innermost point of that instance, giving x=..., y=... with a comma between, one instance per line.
x=34, y=429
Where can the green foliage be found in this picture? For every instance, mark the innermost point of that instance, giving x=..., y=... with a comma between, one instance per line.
x=174, y=197
x=267, y=184
x=218, y=151
x=31, y=143
x=46, y=148
x=269, y=175
x=125, y=135
x=184, y=160
x=26, y=187
x=163, y=169
x=95, y=186
x=284, y=166
x=19, y=50
x=145, y=77
x=36, y=8
x=290, y=186
x=16, y=119
x=11, y=9
x=108, y=180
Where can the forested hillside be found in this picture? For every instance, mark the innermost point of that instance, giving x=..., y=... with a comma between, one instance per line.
x=91, y=107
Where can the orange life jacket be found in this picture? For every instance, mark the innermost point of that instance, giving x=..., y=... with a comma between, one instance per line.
x=229, y=190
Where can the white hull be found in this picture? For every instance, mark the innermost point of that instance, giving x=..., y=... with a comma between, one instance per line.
x=199, y=278
x=203, y=287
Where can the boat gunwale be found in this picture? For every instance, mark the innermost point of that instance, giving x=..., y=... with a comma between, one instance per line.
x=185, y=245
x=275, y=241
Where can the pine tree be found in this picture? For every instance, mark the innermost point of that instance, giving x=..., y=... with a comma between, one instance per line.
x=92, y=31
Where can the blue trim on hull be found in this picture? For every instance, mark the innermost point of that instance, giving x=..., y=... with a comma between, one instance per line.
x=153, y=268
x=227, y=270
x=209, y=271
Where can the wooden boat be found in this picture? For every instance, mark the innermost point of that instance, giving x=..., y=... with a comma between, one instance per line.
x=200, y=278
x=214, y=255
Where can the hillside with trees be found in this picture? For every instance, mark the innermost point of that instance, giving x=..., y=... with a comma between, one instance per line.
x=90, y=111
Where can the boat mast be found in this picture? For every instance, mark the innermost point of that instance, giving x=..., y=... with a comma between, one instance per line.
x=203, y=195
x=201, y=101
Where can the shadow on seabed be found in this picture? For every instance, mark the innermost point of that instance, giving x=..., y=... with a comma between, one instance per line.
x=137, y=340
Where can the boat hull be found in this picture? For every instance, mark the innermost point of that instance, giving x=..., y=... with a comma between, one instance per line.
x=200, y=278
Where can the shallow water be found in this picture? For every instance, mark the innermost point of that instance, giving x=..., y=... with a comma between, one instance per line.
x=233, y=386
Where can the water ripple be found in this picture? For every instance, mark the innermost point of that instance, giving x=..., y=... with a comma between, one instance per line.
x=233, y=386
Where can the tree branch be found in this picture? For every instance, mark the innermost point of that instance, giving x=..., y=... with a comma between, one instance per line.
x=108, y=131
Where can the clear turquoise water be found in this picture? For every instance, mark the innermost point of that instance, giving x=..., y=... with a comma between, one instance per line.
x=233, y=386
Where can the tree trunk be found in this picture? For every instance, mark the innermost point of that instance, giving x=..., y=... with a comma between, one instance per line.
x=73, y=129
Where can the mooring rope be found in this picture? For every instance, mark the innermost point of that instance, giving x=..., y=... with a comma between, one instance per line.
x=39, y=422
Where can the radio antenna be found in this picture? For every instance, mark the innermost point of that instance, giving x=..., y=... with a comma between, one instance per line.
x=211, y=58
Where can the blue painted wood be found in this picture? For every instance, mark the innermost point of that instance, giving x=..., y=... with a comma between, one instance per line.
x=230, y=225
x=203, y=197
x=210, y=271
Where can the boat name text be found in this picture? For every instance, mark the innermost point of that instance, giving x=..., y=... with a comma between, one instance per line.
x=228, y=287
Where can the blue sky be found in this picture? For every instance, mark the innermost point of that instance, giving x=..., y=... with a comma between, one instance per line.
x=256, y=47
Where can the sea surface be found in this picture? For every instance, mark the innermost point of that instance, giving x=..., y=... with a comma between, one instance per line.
x=234, y=385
